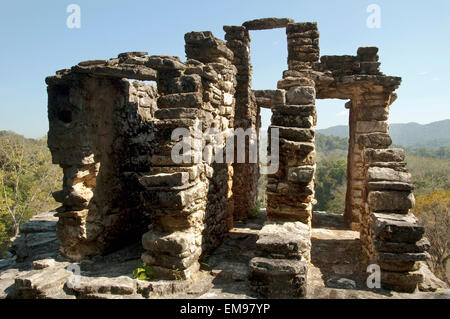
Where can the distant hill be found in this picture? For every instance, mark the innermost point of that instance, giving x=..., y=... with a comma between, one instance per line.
x=435, y=134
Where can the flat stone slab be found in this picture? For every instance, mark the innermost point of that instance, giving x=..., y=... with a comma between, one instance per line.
x=397, y=228
x=267, y=23
x=290, y=239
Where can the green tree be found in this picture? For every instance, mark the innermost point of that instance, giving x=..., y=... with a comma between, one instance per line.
x=433, y=210
x=27, y=179
x=330, y=185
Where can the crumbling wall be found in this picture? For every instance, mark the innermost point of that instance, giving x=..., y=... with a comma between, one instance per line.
x=99, y=134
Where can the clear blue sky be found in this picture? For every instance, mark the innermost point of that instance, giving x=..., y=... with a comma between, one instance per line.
x=414, y=42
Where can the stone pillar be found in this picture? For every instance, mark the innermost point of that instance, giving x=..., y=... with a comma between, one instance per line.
x=247, y=116
x=368, y=128
x=191, y=201
x=282, y=269
x=391, y=236
x=303, y=46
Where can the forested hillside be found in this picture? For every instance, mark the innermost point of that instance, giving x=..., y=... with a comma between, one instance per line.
x=414, y=135
x=27, y=179
x=430, y=167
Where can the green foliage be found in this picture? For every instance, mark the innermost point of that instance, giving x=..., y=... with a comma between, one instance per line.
x=429, y=174
x=144, y=273
x=330, y=185
x=433, y=210
x=27, y=179
x=255, y=213
x=442, y=152
x=176, y=273
x=262, y=184
x=330, y=147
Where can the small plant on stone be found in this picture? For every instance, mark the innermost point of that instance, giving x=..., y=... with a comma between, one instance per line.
x=255, y=213
x=144, y=273
x=176, y=273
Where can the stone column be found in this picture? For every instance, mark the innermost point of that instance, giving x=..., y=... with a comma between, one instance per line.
x=391, y=236
x=285, y=240
x=191, y=201
x=247, y=116
x=368, y=128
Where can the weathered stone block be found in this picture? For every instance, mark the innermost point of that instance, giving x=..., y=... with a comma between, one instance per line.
x=267, y=23
x=397, y=228
x=117, y=286
x=289, y=239
x=384, y=155
x=373, y=113
x=290, y=81
x=293, y=121
x=301, y=27
x=402, y=247
x=295, y=110
x=371, y=127
x=278, y=278
x=180, y=100
x=302, y=174
x=204, y=47
x=180, y=244
x=163, y=179
x=173, y=113
x=375, y=174
x=270, y=98
x=301, y=95
x=390, y=201
x=375, y=140
x=401, y=281
x=295, y=134
x=401, y=261
x=390, y=186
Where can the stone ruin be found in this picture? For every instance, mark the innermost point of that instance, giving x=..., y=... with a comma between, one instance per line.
x=110, y=131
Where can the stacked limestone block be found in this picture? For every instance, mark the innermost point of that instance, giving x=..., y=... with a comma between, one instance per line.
x=365, y=62
x=303, y=46
x=285, y=240
x=246, y=116
x=280, y=270
x=99, y=129
x=395, y=239
x=191, y=203
x=368, y=129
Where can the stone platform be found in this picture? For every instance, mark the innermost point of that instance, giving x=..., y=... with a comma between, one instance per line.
x=335, y=271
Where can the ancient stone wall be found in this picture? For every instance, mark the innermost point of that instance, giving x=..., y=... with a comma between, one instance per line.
x=99, y=128
x=116, y=139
